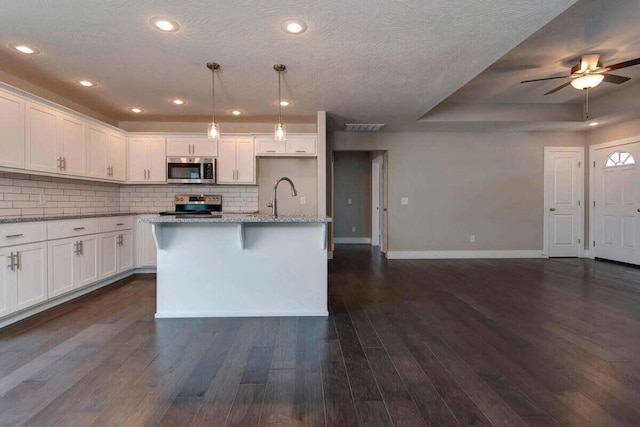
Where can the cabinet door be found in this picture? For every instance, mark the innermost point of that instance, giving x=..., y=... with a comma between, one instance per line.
x=117, y=144
x=61, y=266
x=145, y=246
x=179, y=147
x=156, y=160
x=137, y=160
x=43, y=148
x=8, y=280
x=125, y=251
x=301, y=145
x=96, y=152
x=268, y=146
x=245, y=161
x=204, y=147
x=73, y=145
x=108, y=255
x=87, y=270
x=31, y=274
x=12, y=124
x=226, y=161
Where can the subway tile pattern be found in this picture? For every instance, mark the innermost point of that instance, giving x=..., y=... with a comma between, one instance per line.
x=23, y=194
x=157, y=198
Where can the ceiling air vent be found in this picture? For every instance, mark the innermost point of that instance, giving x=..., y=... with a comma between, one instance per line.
x=362, y=127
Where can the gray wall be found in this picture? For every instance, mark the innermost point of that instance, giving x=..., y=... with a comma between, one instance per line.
x=352, y=180
x=488, y=184
x=614, y=132
x=303, y=173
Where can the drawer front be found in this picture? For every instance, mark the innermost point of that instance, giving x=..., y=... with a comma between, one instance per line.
x=17, y=234
x=115, y=223
x=72, y=227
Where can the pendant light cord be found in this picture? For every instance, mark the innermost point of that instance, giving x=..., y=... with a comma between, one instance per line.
x=213, y=94
x=279, y=99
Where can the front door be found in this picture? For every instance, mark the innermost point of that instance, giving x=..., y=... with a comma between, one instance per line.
x=617, y=203
x=564, y=206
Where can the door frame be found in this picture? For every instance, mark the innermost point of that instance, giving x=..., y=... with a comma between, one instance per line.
x=545, y=215
x=592, y=181
x=375, y=202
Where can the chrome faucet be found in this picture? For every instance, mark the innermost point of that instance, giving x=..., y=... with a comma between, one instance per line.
x=274, y=203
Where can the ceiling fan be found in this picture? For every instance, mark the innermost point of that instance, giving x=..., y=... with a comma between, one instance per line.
x=589, y=73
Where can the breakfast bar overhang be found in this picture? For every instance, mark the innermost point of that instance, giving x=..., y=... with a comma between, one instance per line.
x=240, y=266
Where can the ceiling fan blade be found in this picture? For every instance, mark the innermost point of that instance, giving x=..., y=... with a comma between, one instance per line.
x=625, y=64
x=547, y=78
x=562, y=86
x=612, y=78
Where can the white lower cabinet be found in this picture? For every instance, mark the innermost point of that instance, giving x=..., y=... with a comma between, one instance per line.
x=24, y=278
x=117, y=252
x=146, y=246
x=73, y=264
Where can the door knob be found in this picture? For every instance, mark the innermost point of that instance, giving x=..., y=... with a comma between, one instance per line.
x=552, y=209
x=638, y=209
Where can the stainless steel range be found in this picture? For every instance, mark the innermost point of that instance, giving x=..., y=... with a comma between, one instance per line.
x=196, y=204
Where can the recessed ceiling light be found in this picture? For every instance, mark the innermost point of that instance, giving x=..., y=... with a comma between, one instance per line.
x=178, y=101
x=236, y=112
x=294, y=26
x=594, y=124
x=135, y=110
x=87, y=83
x=285, y=103
x=23, y=48
x=165, y=24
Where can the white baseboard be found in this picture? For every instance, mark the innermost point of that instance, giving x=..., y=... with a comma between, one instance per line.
x=463, y=254
x=329, y=254
x=587, y=254
x=352, y=240
x=145, y=270
x=62, y=299
x=178, y=315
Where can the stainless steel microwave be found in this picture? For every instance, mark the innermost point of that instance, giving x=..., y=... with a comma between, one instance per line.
x=191, y=170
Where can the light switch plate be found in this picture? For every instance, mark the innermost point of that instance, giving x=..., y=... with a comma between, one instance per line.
x=349, y=201
x=404, y=201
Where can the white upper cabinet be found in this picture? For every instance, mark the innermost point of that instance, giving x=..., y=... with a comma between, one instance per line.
x=12, y=125
x=198, y=146
x=296, y=145
x=106, y=153
x=236, y=161
x=43, y=148
x=73, y=145
x=147, y=160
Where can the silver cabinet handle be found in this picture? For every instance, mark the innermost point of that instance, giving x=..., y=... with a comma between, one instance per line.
x=13, y=236
x=81, y=247
x=76, y=248
x=552, y=209
x=120, y=223
x=59, y=163
x=17, y=264
x=78, y=228
x=64, y=163
x=271, y=151
x=11, y=264
x=300, y=151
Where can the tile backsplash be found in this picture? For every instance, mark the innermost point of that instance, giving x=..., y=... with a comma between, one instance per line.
x=156, y=198
x=23, y=194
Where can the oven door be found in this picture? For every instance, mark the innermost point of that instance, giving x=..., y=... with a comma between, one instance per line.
x=184, y=170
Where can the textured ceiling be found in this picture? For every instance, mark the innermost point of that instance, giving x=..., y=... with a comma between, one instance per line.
x=607, y=27
x=361, y=60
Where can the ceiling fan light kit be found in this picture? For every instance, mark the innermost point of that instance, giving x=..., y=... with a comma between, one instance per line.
x=588, y=81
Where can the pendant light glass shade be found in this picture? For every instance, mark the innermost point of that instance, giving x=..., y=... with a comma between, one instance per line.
x=213, y=129
x=588, y=81
x=280, y=133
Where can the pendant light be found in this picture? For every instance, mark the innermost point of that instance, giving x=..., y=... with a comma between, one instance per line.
x=213, y=130
x=281, y=130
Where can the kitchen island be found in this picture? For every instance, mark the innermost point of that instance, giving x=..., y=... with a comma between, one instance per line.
x=238, y=265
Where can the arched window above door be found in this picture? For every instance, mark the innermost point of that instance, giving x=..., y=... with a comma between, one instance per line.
x=619, y=158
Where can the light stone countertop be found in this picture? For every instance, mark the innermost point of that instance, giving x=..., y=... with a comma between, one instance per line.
x=55, y=217
x=234, y=218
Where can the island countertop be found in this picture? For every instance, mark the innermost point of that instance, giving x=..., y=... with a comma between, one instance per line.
x=234, y=218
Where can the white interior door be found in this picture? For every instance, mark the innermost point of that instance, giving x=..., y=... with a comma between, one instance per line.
x=375, y=203
x=617, y=208
x=563, y=205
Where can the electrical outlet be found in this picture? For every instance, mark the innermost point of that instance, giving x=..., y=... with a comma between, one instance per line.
x=106, y=200
x=404, y=201
x=303, y=200
x=349, y=201
x=353, y=229
x=472, y=238
x=43, y=199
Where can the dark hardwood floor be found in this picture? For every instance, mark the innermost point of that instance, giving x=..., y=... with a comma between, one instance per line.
x=408, y=343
